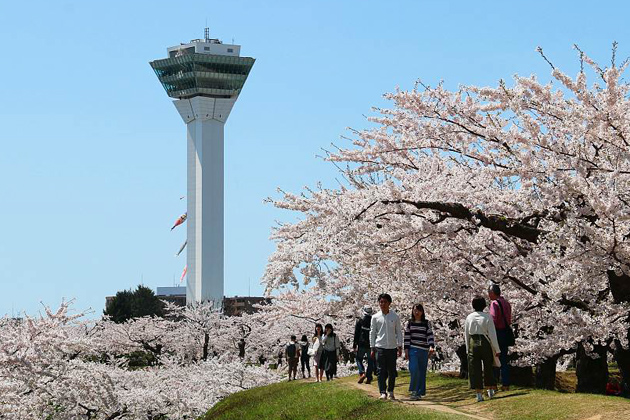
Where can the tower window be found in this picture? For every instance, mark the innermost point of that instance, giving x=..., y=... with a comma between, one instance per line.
x=206, y=48
x=230, y=49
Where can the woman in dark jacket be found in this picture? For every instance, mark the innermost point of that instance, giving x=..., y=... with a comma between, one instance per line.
x=304, y=356
x=331, y=346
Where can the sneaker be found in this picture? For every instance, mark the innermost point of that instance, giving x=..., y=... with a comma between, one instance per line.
x=368, y=381
x=361, y=378
x=479, y=397
x=391, y=396
x=414, y=397
x=490, y=393
x=383, y=397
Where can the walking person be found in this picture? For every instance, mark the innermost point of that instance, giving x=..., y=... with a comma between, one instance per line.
x=386, y=340
x=281, y=352
x=331, y=345
x=293, y=355
x=361, y=345
x=419, y=346
x=482, y=348
x=305, y=357
x=501, y=312
x=317, y=351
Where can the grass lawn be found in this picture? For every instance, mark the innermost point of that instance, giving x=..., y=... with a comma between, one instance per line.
x=314, y=401
x=523, y=403
x=340, y=400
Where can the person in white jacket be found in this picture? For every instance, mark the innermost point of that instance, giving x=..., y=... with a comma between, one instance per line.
x=482, y=348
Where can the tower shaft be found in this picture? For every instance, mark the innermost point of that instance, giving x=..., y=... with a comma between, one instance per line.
x=205, y=121
x=205, y=211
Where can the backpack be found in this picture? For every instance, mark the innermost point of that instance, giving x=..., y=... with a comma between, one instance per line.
x=291, y=350
x=364, y=337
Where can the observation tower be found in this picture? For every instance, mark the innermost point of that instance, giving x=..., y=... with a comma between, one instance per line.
x=204, y=77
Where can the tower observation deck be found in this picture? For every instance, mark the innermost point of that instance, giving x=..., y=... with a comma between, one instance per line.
x=204, y=77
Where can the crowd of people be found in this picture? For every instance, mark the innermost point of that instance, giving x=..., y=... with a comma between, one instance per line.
x=379, y=340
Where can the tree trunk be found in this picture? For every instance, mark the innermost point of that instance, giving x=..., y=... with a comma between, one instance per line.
x=241, y=349
x=592, y=374
x=206, y=339
x=546, y=373
x=463, y=361
x=619, y=286
x=521, y=376
x=622, y=357
x=620, y=289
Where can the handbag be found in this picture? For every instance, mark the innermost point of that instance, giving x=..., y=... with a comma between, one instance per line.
x=312, y=351
x=509, y=332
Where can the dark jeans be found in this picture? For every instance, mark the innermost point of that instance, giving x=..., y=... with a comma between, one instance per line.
x=329, y=360
x=504, y=370
x=480, y=360
x=363, y=352
x=386, y=369
x=306, y=363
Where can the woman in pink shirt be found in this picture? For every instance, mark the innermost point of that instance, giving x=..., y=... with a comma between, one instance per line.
x=501, y=313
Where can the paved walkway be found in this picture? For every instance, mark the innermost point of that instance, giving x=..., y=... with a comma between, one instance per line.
x=429, y=405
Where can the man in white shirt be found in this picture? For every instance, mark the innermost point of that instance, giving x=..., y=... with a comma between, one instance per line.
x=386, y=340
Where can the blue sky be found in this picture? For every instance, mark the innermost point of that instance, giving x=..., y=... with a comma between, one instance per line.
x=92, y=157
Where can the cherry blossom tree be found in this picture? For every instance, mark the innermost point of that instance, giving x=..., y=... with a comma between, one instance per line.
x=61, y=366
x=523, y=185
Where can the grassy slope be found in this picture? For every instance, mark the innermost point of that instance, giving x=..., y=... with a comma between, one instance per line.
x=309, y=401
x=336, y=400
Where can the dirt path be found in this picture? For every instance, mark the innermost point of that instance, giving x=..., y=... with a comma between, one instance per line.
x=429, y=405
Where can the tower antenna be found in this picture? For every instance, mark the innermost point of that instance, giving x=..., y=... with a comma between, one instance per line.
x=206, y=32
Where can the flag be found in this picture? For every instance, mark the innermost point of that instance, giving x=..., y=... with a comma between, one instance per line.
x=181, y=279
x=181, y=219
x=181, y=248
